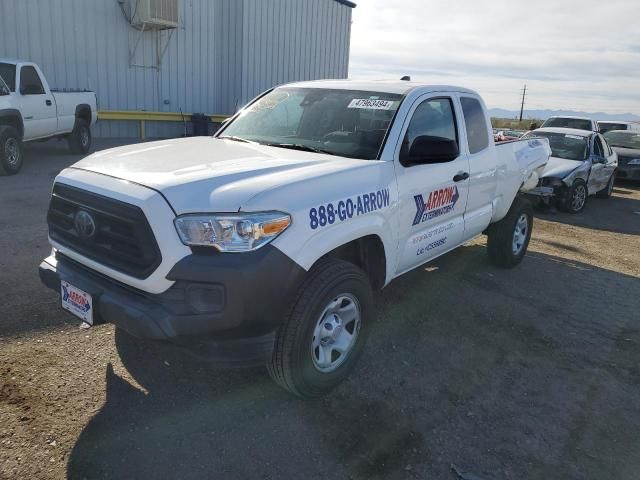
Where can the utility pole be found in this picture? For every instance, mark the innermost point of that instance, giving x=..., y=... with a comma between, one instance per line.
x=524, y=94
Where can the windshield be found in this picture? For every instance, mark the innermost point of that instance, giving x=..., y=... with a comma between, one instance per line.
x=606, y=127
x=623, y=139
x=8, y=74
x=348, y=123
x=562, y=122
x=571, y=147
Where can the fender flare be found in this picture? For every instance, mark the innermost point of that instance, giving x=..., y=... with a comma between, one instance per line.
x=316, y=246
x=84, y=108
x=14, y=114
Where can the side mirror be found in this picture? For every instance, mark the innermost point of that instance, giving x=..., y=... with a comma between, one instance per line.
x=428, y=149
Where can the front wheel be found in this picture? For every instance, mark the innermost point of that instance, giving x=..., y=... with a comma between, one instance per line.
x=508, y=239
x=80, y=138
x=11, y=156
x=575, y=198
x=325, y=331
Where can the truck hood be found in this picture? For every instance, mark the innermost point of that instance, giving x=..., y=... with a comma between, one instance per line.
x=560, y=167
x=205, y=174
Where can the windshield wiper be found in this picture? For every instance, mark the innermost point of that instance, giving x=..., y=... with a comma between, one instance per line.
x=300, y=146
x=235, y=139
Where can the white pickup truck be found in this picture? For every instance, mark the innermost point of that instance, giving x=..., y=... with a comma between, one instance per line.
x=29, y=111
x=271, y=237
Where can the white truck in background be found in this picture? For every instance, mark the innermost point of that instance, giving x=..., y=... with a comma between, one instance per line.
x=577, y=123
x=30, y=111
x=272, y=236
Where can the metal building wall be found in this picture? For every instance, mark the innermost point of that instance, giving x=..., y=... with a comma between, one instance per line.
x=287, y=40
x=224, y=53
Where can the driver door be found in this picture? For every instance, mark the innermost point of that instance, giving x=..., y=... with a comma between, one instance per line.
x=433, y=196
x=37, y=106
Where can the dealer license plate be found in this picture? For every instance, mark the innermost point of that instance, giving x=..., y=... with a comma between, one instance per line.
x=77, y=302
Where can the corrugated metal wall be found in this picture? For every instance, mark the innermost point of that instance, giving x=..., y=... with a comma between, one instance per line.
x=223, y=54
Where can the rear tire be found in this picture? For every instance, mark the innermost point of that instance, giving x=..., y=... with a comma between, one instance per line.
x=11, y=154
x=80, y=138
x=608, y=190
x=332, y=313
x=575, y=198
x=508, y=239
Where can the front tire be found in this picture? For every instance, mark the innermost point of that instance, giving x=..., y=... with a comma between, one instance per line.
x=508, y=239
x=607, y=191
x=325, y=330
x=80, y=138
x=11, y=154
x=575, y=198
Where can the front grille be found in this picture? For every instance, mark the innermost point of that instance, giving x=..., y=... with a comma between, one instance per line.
x=117, y=235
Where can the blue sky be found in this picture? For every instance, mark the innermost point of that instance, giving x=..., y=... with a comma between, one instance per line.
x=573, y=55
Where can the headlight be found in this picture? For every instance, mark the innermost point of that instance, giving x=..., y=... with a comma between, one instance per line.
x=239, y=232
x=635, y=161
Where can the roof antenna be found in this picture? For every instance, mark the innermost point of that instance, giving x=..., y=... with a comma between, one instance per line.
x=406, y=78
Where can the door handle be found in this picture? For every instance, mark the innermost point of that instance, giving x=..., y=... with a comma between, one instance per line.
x=48, y=102
x=460, y=177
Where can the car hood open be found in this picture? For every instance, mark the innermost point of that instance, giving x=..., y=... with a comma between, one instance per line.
x=203, y=174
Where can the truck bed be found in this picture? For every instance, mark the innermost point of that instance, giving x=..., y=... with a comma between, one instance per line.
x=531, y=156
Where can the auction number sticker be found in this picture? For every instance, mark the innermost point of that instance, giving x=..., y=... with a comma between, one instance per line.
x=371, y=104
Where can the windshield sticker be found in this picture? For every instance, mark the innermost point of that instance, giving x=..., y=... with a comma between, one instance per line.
x=348, y=208
x=575, y=137
x=440, y=203
x=371, y=104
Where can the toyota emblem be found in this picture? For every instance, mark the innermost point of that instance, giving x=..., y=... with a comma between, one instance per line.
x=84, y=224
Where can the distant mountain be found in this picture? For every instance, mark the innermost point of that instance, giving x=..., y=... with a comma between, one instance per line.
x=544, y=114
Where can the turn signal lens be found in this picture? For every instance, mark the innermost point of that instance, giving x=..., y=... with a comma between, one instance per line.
x=275, y=227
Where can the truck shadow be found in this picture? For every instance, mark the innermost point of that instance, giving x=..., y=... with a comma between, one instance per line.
x=619, y=214
x=522, y=371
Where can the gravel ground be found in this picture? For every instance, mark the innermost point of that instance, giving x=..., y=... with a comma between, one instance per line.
x=528, y=373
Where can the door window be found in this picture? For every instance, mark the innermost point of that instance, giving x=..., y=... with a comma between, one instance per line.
x=30, y=83
x=476, y=123
x=607, y=148
x=598, y=147
x=434, y=118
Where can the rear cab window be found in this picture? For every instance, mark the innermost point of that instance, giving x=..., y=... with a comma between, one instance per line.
x=476, y=124
x=576, y=123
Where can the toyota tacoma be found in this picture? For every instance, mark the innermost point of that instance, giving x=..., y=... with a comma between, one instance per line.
x=273, y=235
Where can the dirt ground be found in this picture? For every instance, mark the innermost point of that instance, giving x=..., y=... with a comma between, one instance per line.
x=528, y=373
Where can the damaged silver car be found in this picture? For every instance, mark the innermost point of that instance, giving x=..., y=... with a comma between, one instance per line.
x=582, y=164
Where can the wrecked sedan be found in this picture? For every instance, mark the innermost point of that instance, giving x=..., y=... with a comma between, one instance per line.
x=582, y=164
x=627, y=145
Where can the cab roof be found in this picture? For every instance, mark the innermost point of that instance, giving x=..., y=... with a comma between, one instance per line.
x=565, y=131
x=572, y=117
x=401, y=87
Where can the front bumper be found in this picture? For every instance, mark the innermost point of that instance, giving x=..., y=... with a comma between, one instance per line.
x=215, y=296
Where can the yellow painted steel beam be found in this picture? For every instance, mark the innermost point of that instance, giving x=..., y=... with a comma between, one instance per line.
x=127, y=115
